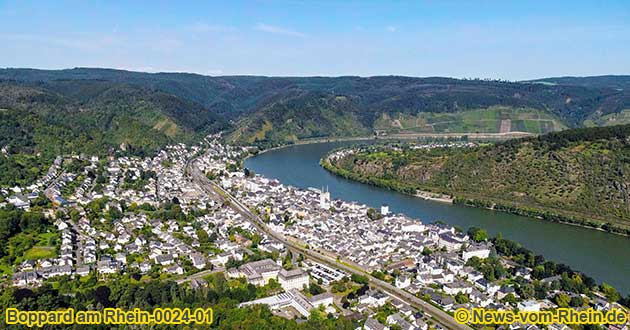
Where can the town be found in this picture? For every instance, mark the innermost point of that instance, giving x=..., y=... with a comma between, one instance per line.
x=147, y=216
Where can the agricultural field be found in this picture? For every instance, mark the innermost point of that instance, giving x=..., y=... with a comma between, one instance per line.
x=491, y=120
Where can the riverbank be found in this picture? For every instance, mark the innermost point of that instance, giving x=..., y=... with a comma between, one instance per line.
x=593, y=252
x=430, y=196
x=479, y=202
x=406, y=136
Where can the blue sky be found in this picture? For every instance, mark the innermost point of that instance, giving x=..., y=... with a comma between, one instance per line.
x=505, y=39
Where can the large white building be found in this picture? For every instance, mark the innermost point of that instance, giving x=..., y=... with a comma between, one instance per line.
x=258, y=272
x=293, y=279
x=481, y=251
x=291, y=298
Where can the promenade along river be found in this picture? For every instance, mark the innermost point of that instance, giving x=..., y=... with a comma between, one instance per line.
x=603, y=256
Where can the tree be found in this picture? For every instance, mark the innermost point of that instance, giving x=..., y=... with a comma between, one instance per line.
x=477, y=234
x=510, y=299
x=374, y=214
x=610, y=292
x=461, y=298
x=576, y=301
x=202, y=236
x=562, y=300
x=315, y=289
x=526, y=291
x=359, y=279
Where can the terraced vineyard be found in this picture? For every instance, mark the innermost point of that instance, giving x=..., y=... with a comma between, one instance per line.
x=496, y=119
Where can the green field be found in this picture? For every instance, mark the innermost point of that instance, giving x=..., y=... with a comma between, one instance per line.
x=40, y=252
x=491, y=120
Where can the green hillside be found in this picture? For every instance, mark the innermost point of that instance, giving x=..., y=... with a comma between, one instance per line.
x=433, y=104
x=95, y=110
x=579, y=176
x=299, y=116
x=39, y=124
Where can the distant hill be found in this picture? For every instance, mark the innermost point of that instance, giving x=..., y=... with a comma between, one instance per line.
x=391, y=104
x=608, y=81
x=42, y=121
x=579, y=176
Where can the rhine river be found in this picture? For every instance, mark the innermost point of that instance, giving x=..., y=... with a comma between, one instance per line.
x=603, y=256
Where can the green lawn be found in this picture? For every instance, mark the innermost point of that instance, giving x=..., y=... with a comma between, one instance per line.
x=40, y=252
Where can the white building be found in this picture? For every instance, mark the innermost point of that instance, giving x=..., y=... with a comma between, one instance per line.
x=293, y=279
x=402, y=281
x=384, y=209
x=528, y=306
x=481, y=251
x=324, y=199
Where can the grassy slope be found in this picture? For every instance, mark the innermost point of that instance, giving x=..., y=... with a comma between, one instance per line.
x=585, y=178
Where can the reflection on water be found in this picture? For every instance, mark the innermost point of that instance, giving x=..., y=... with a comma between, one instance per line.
x=603, y=256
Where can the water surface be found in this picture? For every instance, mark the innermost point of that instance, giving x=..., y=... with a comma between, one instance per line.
x=603, y=256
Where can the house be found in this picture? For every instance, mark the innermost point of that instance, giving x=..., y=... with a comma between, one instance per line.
x=524, y=273
x=54, y=271
x=402, y=281
x=446, y=302
x=420, y=324
x=485, y=285
x=19, y=202
x=481, y=251
x=373, y=298
x=197, y=283
x=83, y=271
x=26, y=278
x=456, y=287
x=198, y=260
x=108, y=266
x=450, y=242
x=372, y=324
x=528, y=306
x=144, y=267
x=174, y=269
x=322, y=299
x=504, y=291
x=397, y=319
x=164, y=259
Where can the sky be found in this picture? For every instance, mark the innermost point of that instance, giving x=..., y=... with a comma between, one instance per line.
x=506, y=39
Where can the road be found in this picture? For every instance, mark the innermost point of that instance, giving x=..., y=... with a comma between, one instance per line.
x=222, y=195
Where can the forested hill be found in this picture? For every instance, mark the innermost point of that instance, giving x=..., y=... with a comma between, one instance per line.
x=52, y=112
x=580, y=176
x=276, y=110
x=92, y=117
x=608, y=81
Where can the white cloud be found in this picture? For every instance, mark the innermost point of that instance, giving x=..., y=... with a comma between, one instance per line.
x=278, y=30
x=392, y=28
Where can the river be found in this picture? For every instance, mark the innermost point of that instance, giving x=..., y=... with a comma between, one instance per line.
x=603, y=256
